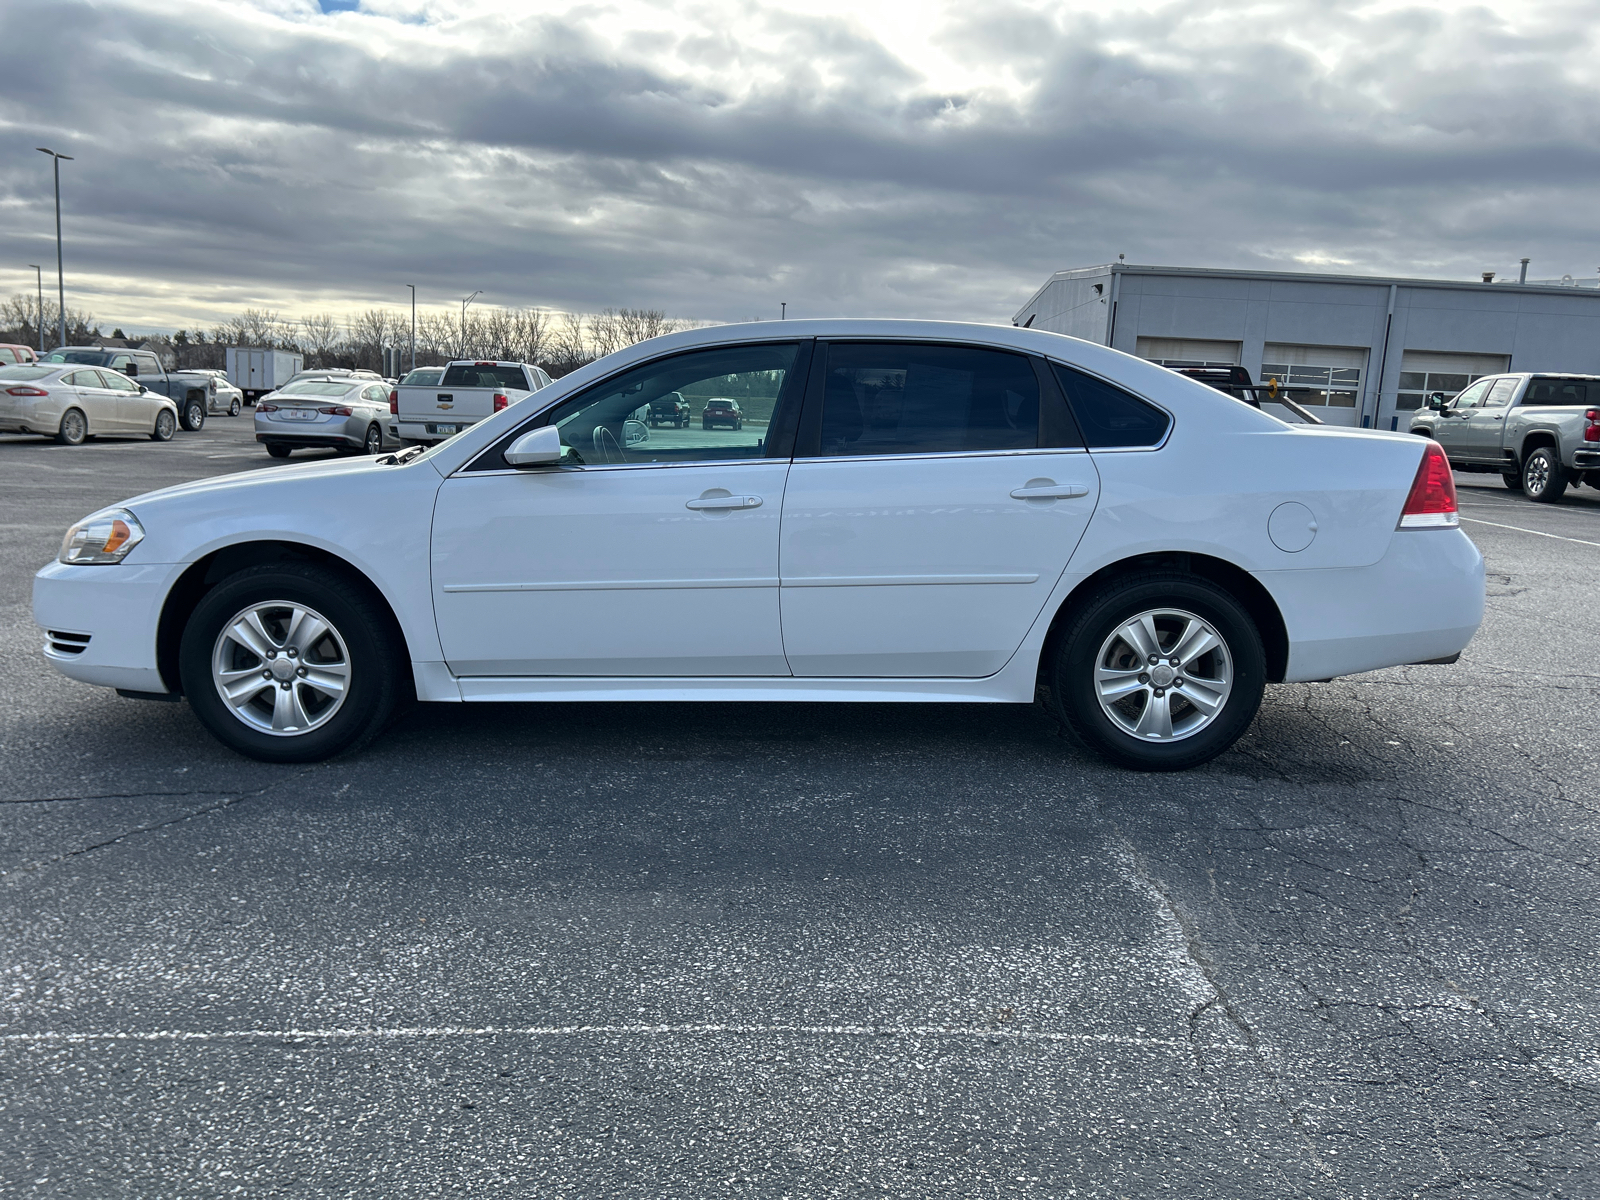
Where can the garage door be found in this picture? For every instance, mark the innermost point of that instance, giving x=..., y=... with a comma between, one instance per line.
x=1188, y=352
x=1324, y=377
x=1423, y=372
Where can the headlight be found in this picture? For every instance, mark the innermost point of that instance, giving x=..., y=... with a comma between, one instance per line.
x=106, y=537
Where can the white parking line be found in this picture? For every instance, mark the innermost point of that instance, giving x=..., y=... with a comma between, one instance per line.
x=554, y=1031
x=1536, y=532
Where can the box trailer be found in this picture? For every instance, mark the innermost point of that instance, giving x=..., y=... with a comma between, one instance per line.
x=257, y=372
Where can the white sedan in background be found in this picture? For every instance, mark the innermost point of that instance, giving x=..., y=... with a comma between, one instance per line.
x=70, y=403
x=911, y=511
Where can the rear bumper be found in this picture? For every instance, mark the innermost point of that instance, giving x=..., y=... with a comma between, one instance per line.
x=427, y=431
x=1586, y=460
x=111, y=612
x=310, y=439
x=1422, y=601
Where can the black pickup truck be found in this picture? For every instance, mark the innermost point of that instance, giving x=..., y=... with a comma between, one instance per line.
x=671, y=409
x=191, y=391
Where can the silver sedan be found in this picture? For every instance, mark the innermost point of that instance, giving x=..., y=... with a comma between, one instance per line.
x=348, y=414
x=71, y=402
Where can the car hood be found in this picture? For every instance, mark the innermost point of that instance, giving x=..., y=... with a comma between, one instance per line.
x=251, y=489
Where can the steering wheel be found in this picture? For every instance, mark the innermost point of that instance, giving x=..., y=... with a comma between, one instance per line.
x=606, y=446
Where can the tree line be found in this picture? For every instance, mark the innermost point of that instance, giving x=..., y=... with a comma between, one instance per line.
x=558, y=341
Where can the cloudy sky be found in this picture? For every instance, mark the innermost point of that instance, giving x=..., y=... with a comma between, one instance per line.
x=717, y=157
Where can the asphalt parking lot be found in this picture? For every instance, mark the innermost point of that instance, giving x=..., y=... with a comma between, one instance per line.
x=689, y=950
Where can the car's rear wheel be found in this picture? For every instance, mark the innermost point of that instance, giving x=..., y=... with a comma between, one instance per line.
x=166, y=423
x=1544, y=479
x=1159, y=672
x=234, y=408
x=290, y=663
x=74, y=428
x=374, y=442
x=194, y=413
x=277, y=451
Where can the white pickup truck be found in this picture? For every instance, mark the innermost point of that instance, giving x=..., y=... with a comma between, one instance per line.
x=467, y=393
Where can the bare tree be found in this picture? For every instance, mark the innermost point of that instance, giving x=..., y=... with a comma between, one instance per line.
x=605, y=332
x=320, y=332
x=531, y=335
x=568, y=347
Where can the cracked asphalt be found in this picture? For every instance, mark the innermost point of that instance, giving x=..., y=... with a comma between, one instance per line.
x=685, y=950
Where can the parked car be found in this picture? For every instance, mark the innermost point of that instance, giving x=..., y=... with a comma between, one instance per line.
x=467, y=392
x=255, y=372
x=347, y=414
x=671, y=409
x=940, y=512
x=418, y=377
x=191, y=391
x=719, y=410
x=1540, y=432
x=10, y=352
x=71, y=403
x=228, y=399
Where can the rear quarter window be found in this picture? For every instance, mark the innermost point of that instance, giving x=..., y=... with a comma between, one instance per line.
x=1109, y=417
x=1561, y=392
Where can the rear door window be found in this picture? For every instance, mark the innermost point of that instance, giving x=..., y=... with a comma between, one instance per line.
x=1500, y=394
x=1110, y=418
x=911, y=398
x=1561, y=392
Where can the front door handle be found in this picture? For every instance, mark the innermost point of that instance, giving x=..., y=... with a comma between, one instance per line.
x=1049, y=491
x=705, y=502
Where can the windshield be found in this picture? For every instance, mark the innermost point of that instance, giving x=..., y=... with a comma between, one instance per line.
x=317, y=389
x=92, y=358
x=484, y=375
x=25, y=372
x=422, y=377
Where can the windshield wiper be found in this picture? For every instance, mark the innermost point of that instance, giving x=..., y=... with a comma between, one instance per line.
x=401, y=457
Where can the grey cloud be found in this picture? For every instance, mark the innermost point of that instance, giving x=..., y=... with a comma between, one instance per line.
x=292, y=164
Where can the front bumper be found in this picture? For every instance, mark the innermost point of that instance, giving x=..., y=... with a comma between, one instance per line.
x=111, y=613
x=1422, y=601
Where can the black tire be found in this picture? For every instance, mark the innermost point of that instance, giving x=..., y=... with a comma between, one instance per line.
x=194, y=413
x=1544, y=479
x=1072, y=670
x=374, y=442
x=1513, y=480
x=166, y=423
x=74, y=428
x=705, y=424
x=374, y=658
x=277, y=451
x=235, y=408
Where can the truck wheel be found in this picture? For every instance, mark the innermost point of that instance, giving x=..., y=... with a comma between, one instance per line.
x=1513, y=480
x=290, y=663
x=1159, y=671
x=74, y=428
x=165, y=424
x=277, y=451
x=194, y=413
x=1544, y=479
x=233, y=409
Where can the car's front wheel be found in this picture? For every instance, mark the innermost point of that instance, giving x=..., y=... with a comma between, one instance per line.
x=165, y=424
x=1159, y=672
x=290, y=663
x=1544, y=479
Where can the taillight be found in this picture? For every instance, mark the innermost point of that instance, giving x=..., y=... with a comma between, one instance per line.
x=1432, y=502
x=334, y=412
x=394, y=402
x=266, y=408
x=26, y=391
x=500, y=401
x=1591, y=431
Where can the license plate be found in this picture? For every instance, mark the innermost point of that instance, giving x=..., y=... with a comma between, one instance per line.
x=442, y=428
x=299, y=414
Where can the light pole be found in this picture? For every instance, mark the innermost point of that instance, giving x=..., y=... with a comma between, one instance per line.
x=61, y=286
x=464, y=304
x=413, y=288
x=783, y=310
x=38, y=277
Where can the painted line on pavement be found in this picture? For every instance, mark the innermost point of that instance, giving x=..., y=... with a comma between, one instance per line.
x=1536, y=532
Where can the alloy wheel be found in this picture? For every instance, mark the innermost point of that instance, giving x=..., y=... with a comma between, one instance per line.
x=1163, y=675
x=281, y=668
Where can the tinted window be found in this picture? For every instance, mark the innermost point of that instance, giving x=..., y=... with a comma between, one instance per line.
x=1561, y=391
x=1108, y=416
x=610, y=423
x=422, y=377
x=904, y=398
x=93, y=357
x=491, y=376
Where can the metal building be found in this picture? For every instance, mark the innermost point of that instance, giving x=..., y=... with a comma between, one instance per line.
x=1369, y=348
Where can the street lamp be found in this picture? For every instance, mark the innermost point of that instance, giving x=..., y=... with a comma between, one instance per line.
x=61, y=286
x=38, y=278
x=464, y=304
x=413, y=288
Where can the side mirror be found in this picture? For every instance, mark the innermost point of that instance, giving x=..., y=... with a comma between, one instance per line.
x=634, y=433
x=537, y=448
x=1437, y=402
x=143, y=389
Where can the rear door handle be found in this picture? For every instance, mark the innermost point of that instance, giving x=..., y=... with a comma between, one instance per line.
x=1050, y=491
x=724, y=502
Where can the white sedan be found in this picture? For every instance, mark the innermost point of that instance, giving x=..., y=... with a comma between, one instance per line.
x=71, y=403
x=911, y=511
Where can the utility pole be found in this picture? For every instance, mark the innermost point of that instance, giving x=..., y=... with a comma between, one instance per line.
x=464, y=304
x=61, y=286
x=413, y=288
x=38, y=278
